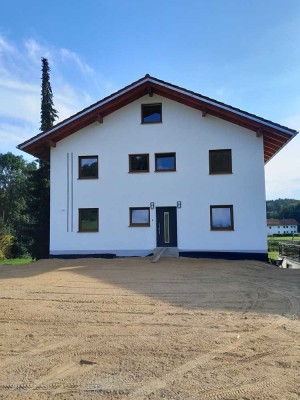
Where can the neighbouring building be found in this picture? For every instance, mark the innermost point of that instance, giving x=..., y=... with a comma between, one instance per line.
x=282, y=226
x=157, y=165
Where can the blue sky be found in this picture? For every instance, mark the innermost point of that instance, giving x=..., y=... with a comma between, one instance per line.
x=246, y=54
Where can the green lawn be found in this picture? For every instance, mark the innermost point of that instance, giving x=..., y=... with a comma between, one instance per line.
x=273, y=245
x=16, y=261
x=273, y=254
x=281, y=239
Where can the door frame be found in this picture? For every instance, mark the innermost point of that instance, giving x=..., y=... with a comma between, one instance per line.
x=173, y=226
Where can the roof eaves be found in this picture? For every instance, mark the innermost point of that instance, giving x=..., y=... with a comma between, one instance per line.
x=83, y=112
x=226, y=107
x=178, y=89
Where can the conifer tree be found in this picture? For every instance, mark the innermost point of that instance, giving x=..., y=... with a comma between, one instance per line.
x=39, y=206
x=48, y=112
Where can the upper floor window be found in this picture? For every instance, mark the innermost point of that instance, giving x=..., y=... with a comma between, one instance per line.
x=88, y=167
x=220, y=161
x=138, y=162
x=165, y=162
x=151, y=113
x=221, y=218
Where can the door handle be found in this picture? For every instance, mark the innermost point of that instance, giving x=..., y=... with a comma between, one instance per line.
x=159, y=228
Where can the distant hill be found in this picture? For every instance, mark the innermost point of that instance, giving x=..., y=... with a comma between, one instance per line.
x=283, y=208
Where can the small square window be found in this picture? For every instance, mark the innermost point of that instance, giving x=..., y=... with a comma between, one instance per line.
x=88, y=167
x=138, y=162
x=220, y=161
x=151, y=113
x=88, y=219
x=139, y=216
x=221, y=218
x=165, y=162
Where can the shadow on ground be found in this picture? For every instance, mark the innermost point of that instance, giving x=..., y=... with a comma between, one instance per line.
x=188, y=283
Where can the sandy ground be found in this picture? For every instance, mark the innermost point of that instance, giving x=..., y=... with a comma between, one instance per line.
x=129, y=329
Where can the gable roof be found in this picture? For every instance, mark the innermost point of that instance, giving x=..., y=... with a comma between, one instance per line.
x=275, y=135
x=277, y=222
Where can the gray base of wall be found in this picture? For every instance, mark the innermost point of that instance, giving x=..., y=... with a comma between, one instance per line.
x=146, y=253
x=224, y=255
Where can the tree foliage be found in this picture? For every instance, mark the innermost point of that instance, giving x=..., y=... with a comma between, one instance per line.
x=48, y=112
x=39, y=203
x=283, y=208
x=15, y=186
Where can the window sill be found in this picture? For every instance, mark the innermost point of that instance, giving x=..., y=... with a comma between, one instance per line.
x=88, y=179
x=165, y=170
x=87, y=231
x=221, y=229
x=220, y=173
x=139, y=226
x=151, y=123
x=138, y=172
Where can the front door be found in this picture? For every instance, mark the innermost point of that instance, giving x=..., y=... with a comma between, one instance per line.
x=166, y=226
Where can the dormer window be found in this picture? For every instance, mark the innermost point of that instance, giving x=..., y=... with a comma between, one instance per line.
x=151, y=113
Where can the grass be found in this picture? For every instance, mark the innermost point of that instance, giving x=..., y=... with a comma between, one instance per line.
x=273, y=255
x=281, y=239
x=16, y=261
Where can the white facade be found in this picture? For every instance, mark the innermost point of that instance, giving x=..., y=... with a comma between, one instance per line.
x=282, y=229
x=183, y=130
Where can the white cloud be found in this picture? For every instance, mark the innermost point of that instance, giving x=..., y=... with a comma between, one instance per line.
x=283, y=171
x=35, y=49
x=68, y=55
x=6, y=47
x=20, y=78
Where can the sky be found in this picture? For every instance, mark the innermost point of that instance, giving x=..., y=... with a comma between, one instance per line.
x=243, y=53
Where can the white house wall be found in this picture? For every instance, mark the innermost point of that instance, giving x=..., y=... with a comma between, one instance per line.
x=191, y=136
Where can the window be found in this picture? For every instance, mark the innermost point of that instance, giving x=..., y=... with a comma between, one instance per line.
x=138, y=162
x=221, y=218
x=139, y=216
x=151, y=113
x=220, y=162
x=88, y=167
x=88, y=219
x=165, y=162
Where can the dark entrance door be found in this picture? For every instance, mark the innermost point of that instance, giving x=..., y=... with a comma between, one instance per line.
x=166, y=226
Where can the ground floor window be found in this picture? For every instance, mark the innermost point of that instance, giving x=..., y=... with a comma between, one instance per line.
x=139, y=216
x=221, y=218
x=88, y=219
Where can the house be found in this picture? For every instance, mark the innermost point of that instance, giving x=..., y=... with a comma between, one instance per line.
x=282, y=226
x=157, y=165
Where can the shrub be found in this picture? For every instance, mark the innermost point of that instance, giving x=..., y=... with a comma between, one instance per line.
x=6, y=242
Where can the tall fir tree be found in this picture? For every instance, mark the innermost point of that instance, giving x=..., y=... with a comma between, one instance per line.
x=39, y=206
x=48, y=112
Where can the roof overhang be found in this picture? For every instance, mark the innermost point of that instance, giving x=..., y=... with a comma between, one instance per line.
x=275, y=136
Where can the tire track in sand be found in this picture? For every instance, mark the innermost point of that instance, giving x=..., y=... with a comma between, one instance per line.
x=178, y=372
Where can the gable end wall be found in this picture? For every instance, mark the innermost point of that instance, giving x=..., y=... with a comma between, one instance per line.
x=191, y=136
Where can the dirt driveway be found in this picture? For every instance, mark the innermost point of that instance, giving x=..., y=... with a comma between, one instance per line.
x=129, y=329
